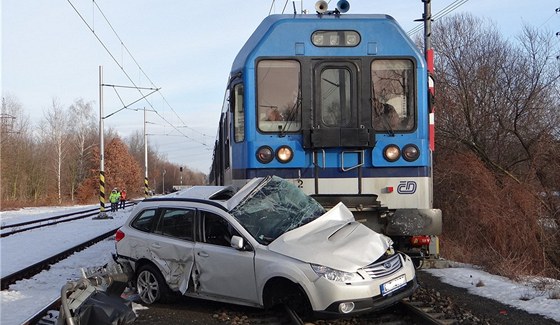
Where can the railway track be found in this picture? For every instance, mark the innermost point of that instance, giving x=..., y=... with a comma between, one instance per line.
x=44, y=264
x=7, y=230
x=31, y=270
x=406, y=312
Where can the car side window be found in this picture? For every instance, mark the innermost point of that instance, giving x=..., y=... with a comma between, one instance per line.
x=217, y=230
x=144, y=220
x=177, y=223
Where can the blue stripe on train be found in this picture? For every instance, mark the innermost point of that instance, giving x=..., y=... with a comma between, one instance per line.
x=333, y=172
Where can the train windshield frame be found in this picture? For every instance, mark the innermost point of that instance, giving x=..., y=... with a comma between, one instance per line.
x=393, y=95
x=279, y=95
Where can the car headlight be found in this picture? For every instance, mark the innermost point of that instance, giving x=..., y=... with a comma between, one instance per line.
x=335, y=275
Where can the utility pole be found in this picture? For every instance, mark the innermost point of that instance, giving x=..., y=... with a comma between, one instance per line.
x=146, y=188
x=102, y=214
x=163, y=182
x=433, y=248
x=429, y=55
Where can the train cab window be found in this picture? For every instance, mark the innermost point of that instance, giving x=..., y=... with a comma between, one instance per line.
x=335, y=97
x=238, y=113
x=278, y=95
x=393, y=93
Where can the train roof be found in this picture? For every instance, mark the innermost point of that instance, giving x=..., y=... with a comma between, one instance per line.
x=277, y=35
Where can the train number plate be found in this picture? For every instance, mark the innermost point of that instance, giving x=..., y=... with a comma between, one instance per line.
x=393, y=285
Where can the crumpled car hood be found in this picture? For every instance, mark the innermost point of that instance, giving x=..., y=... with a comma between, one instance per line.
x=335, y=240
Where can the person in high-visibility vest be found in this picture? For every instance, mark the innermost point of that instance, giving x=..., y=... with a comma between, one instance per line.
x=114, y=199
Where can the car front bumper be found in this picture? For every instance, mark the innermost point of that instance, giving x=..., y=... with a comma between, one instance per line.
x=327, y=296
x=370, y=304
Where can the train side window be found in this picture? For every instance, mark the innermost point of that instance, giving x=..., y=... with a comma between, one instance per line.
x=238, y=113
x=278, y=95
x=393, y=95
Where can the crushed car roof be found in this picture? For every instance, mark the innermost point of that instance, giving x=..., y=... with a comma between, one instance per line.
x=226, y=196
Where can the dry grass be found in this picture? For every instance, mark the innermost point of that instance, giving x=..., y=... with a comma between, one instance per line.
x=491, y=221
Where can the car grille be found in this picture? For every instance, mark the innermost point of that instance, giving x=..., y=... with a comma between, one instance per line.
x=384, y=267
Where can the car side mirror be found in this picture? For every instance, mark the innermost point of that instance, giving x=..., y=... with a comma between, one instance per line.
x=237, y=242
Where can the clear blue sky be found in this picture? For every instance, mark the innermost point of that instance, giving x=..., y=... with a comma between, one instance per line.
x=49, y=52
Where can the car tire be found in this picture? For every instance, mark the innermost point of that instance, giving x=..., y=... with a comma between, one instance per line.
x=151, y=286
x=284, y=292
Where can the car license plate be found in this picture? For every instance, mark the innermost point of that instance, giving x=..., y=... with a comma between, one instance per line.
x=393, y=285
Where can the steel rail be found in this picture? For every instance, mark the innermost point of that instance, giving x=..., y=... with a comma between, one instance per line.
x=47, y=219
x=78, y=214
x=426, y=317
x=35, y=318
x=44, y=264
x=294, y=318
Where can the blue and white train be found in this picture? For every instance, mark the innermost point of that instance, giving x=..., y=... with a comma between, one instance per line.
x=337, y=103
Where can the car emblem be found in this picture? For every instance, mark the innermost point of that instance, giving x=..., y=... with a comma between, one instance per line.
x=387, y=265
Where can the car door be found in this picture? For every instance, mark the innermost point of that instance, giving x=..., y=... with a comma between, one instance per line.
x=172, y=246
x=222, y=271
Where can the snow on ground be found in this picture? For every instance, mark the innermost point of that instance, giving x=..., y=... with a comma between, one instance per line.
x=533, y=295
x=26, y=297
x=26, y=248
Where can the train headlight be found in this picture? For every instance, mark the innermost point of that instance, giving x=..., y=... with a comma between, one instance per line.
x=410, y=152
x=391, y=153
x=284, y=154
x=265, y=154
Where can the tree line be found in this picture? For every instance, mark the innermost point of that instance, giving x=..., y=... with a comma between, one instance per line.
x=497, y=158
x=58, y=161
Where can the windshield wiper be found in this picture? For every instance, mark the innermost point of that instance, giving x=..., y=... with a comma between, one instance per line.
x=291, y=116
x=374, y=105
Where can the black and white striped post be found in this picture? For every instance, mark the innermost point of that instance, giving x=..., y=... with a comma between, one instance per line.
x=102, y=213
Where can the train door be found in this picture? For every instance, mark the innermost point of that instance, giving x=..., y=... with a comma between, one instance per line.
x=338, y=136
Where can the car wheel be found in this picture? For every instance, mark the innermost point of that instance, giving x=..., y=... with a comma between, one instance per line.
x=150, y=285
x=284, y=292
x=297, y=300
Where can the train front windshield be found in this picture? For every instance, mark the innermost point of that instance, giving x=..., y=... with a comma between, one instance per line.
x=391, y=89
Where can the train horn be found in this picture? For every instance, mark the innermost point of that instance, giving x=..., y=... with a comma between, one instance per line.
x=321, y=6
x=343, y=6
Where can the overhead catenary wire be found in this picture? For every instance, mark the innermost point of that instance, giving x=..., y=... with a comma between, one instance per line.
x=140, y=68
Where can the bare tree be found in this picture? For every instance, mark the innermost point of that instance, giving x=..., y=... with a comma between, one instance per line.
x=83, y=132
x=16, y=147
x=498, y=115
x=54, y=133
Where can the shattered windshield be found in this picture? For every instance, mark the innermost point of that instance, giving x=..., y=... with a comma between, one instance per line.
x=275, y=207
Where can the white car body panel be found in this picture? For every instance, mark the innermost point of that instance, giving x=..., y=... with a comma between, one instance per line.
x=334, y=234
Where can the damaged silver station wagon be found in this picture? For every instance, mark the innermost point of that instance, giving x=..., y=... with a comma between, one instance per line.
x=264, y=245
